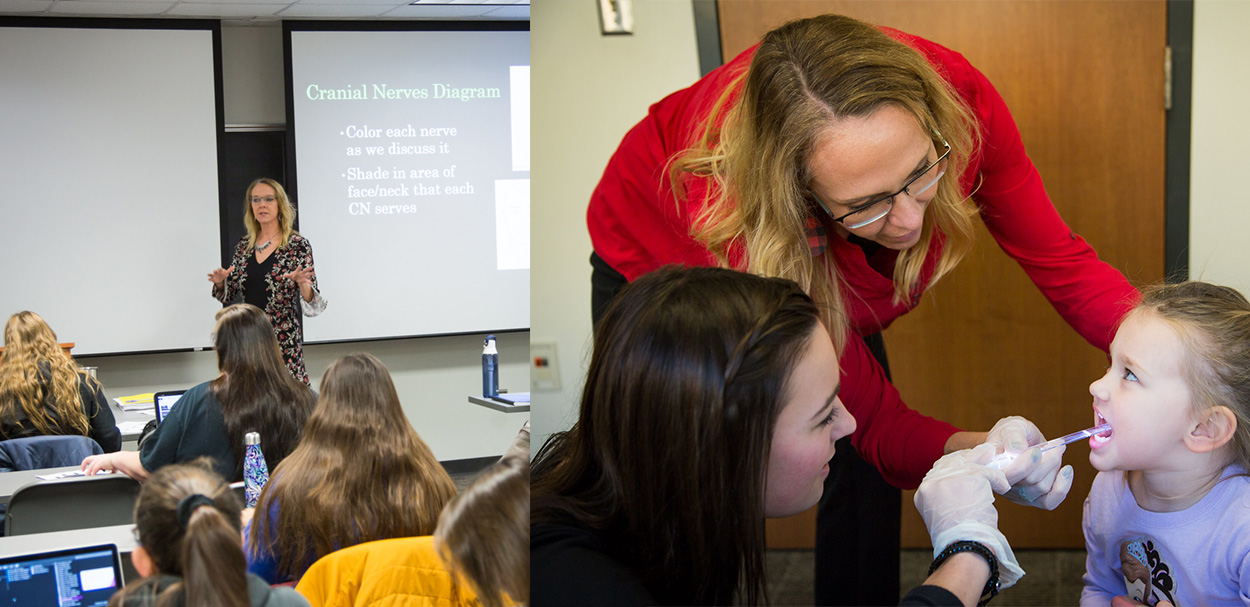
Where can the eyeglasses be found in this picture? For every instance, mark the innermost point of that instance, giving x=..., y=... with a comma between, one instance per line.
x=264, y=199
x=871, y=211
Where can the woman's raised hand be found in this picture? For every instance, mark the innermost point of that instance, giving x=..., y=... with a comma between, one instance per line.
x=218, y=276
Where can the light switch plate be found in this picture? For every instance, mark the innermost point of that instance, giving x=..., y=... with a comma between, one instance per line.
x=616, y=17
x=544, y=367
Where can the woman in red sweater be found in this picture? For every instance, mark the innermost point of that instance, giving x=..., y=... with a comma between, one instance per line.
x=852, y=160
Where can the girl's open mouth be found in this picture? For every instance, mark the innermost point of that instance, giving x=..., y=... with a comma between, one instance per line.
x=1102, y=437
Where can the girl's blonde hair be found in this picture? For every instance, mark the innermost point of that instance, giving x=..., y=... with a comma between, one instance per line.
x=1213, y=324
x=286, y=214
x=804, y=76
x=29, y=344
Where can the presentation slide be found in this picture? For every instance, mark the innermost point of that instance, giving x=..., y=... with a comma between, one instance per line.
x=411, y=176
x=110, y=171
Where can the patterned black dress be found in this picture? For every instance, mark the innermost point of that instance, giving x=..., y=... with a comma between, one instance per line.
x=283, y=303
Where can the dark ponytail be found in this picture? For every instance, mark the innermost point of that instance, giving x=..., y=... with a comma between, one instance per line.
x=188, y=520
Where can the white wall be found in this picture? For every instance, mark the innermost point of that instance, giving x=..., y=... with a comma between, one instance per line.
x=434, y=376
x=587, y=91
x=1220, y=157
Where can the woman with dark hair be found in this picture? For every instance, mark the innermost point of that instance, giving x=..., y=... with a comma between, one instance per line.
x=272, y=269
x=712, y=402
x=189, y=551
x=253, y=393
x=43, y=391
x=360, y=473
x=854, y=160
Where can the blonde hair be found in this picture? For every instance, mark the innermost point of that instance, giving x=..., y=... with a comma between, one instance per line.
x=804, y=76
x=29, y=344
x=1213, y=325
x=286, y=214
x=483, y=534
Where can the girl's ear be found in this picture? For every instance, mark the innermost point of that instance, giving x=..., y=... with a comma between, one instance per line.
x=1213, y=429
x=142, y=561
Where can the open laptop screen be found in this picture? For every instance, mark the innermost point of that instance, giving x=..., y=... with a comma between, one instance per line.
x=76, y=577
x=164, y=402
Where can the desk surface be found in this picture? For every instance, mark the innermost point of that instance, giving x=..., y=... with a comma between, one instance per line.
x=120, y=535
x=498, y=406
x=10, y=482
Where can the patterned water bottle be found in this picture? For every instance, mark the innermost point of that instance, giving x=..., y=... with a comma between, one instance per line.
x=255, y=470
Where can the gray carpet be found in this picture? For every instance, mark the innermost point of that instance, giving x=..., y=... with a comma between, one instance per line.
x=1053, y=577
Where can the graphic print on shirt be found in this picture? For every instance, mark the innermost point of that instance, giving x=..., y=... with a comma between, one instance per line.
x=1147, y=575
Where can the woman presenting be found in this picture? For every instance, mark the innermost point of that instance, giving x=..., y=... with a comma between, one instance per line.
x=843, y=156
x=272, y=269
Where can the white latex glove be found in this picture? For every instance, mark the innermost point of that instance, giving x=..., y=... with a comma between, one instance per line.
x=956, y=499
x=1036, y=478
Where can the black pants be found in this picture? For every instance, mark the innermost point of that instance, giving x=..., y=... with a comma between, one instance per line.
x=857, y=526
x=857, y=523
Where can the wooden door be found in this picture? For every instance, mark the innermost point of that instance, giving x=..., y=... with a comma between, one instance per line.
x=1084, y=81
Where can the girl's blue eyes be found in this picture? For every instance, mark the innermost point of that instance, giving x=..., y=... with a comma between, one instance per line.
x=1128, y=375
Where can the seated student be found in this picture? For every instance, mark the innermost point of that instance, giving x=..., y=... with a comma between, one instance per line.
x=1167, y=521
x=253, y=393
x=484, y=533
x=189, y=551
x=360, y=473
x=43, y=391
x=710, y=403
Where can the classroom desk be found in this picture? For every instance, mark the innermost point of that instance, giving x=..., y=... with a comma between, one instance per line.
x=10, y=482
x=120, y=416
x=498, y=406
x=121, y=536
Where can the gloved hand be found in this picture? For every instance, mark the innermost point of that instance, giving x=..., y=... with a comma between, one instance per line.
x=956, y=500
x=1036, y=478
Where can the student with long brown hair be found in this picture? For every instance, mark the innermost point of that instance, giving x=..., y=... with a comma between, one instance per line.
x=189, y=552
x=711, y=403
x=253, y=393
x=484, y=533
x=361, y=473
x=43, y=391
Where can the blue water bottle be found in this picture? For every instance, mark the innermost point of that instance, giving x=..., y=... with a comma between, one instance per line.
x=490, y=367
x=255, y=470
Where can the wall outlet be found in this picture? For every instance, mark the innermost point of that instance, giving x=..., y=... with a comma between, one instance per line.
x=544, y=367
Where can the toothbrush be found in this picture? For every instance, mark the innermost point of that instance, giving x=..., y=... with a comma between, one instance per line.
x=1002, y=460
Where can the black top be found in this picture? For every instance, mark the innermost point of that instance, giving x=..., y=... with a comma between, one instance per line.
x=256, y=292
x=572, y=566
x=101, y=426
x=196, y=426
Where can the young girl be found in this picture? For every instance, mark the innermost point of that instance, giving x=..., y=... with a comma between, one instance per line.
x=360, y=473
x=1168, y=517
x=189, y=552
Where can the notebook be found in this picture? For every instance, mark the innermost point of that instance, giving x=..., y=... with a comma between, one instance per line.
x=165, y=401
x=75, y=577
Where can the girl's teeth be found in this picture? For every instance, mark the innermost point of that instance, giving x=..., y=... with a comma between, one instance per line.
x=1102, y=438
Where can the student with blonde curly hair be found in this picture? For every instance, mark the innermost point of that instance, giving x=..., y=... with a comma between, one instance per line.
x=43, y=391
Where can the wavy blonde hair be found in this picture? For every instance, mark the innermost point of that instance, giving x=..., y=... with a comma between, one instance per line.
x=286, y=214
x=29, y=343
x=805, y=76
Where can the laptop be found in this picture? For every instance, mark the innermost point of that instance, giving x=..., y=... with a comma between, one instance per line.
x=164, y=402
x=85, y=577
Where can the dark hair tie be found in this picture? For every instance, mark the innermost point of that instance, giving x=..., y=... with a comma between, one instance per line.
x=188, y=505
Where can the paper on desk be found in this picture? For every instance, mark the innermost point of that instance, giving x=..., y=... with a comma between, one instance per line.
x=513, y=397
x=131, y=427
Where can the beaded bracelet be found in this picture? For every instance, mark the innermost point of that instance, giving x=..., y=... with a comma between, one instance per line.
x=992, y=585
